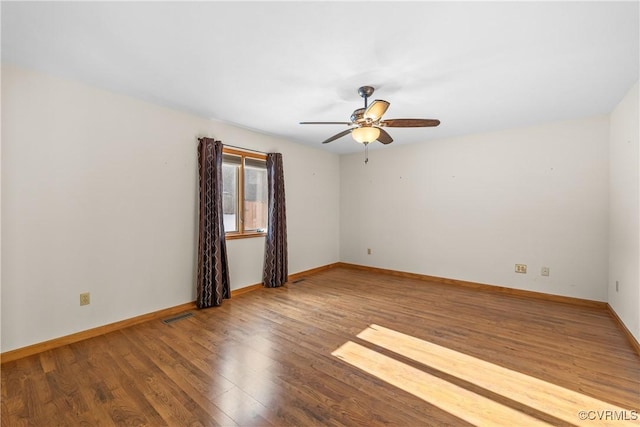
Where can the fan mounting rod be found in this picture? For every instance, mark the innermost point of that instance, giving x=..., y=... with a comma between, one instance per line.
x=365, y=92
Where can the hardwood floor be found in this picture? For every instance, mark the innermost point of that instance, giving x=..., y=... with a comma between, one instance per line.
x=265, y=358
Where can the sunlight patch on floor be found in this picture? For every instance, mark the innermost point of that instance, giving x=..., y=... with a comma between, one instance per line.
x=558, y=402
x=464, y=404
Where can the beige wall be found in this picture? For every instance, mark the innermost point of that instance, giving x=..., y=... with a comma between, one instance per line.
x=99, y=194
x=624, y=212
x=470, y=208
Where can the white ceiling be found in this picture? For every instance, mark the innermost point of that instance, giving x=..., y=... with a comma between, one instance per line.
x=476, y=66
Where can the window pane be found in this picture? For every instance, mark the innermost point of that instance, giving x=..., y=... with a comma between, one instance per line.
x=231, y=159
x=230, y=195
x=255, y=195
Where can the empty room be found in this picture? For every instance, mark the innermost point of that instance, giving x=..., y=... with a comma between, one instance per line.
x=320, y=213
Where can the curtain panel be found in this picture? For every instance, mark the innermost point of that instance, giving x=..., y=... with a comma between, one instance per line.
x=213, y=271
x=275, y=254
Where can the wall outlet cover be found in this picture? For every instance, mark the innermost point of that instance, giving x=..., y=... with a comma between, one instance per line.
x=521, y=268
x=85, y=298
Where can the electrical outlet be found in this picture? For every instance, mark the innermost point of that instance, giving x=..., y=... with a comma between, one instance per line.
x=85, y=298
x=521, y=268
x=368, y=251
x=544, y=271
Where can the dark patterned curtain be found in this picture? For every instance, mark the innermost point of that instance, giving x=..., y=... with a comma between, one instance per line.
x=275, y=254
x=213, y=271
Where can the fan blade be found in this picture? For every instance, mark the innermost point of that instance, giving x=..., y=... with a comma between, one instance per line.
x=338, y=135
x=326, y=123
x=376, y=109
x=410, y=123
x=384, y=137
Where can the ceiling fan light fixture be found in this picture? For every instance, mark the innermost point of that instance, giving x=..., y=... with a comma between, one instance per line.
x=366, y=123
x=365, y=134
x=376, y=110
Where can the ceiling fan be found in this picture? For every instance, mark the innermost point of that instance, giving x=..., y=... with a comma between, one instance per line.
x=367, y=125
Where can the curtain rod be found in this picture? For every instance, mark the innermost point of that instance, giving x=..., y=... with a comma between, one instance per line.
x=242, y=148
x=235, y=146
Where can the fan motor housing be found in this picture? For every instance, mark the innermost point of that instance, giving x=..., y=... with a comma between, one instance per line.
x=358, y=116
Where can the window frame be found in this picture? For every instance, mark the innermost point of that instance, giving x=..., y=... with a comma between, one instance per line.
x=240, y=233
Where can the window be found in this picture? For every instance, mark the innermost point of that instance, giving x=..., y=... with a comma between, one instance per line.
x=245, y=197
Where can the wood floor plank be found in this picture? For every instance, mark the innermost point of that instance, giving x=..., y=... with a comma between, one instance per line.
x=264, y=358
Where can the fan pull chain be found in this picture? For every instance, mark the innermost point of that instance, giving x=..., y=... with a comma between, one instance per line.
x=366, y=153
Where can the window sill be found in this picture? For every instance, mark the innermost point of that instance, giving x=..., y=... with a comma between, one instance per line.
x=233, y=236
